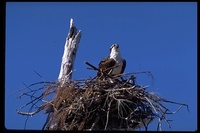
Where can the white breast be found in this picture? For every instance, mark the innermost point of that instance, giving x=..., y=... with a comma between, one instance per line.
x=115, y=54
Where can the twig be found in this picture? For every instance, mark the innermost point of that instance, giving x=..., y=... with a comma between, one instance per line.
x=87, y=63
x=107, y=115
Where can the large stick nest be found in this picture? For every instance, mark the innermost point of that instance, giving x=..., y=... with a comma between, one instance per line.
x=92, y=104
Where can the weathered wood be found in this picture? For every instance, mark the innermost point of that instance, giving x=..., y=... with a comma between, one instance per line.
x=69, y=55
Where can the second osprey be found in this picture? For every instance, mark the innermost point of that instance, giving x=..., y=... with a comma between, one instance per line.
x=114, y=65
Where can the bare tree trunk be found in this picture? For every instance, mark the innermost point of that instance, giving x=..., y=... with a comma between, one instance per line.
x=69, y=55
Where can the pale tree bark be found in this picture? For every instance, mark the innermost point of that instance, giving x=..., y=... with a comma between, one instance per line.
x=69, y=55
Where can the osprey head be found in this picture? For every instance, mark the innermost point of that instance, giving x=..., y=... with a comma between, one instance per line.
x=114, y=52
x=114, y=47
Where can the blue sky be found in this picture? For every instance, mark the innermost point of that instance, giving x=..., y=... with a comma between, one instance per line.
x=158, y=37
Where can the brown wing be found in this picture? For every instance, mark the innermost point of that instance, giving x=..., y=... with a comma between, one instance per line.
x=124, y=66
x=105, y=64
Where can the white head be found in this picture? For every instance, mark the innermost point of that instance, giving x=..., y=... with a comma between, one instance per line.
x=114, y=51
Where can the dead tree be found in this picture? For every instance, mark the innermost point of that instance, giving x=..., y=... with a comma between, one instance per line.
x=69, y=55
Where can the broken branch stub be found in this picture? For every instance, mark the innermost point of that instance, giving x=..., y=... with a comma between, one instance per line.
x=69, y=55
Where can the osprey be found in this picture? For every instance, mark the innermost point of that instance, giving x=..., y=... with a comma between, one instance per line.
x=113, y=65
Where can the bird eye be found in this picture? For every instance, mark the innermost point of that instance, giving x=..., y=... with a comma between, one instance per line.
x=112, y=46
x=117, y=46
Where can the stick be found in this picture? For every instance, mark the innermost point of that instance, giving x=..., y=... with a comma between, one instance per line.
x=87, y=63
